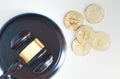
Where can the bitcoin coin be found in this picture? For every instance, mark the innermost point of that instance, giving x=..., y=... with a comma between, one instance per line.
x=94, y=13
x=73, y=20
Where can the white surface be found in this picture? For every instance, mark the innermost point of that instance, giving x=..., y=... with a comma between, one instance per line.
x=96, y=65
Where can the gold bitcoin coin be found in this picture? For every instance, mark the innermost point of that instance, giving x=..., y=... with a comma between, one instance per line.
x=79, y=49
x=94, y=13
x=102, y=41
x=85, y=34
x=73, y=20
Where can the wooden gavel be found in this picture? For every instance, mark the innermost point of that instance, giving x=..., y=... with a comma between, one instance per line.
x=31, y=51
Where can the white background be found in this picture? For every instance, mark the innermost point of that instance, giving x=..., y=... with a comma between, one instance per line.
x=96, y=65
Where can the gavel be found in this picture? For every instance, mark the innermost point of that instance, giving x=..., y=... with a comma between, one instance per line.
x=31, y=51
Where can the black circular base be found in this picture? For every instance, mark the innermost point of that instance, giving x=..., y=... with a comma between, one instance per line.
x=44, y=29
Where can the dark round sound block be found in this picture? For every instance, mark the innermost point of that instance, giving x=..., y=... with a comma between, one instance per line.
x=44, y=29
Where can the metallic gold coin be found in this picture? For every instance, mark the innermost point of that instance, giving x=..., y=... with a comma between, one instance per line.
x=85, y=34
x=79, y=49
x=102, y=41
x=73, y=20
x=94, y=13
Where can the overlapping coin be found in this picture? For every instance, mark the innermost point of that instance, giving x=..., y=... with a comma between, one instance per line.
x=73, y=20
x=80, y=49
x=85, y=34
x=102, y=41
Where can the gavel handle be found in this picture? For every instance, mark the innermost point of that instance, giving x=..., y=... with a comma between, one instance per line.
x=6, y=76
x=14, y=67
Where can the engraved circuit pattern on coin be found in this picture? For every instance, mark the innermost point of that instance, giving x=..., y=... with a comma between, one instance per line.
x=102, y=41
x=94, y=13
x=79, y=49
x=73, y=20
x=85, y=34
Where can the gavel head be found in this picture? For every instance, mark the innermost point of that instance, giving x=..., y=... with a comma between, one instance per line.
x=31, y=51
